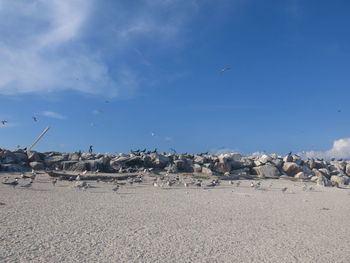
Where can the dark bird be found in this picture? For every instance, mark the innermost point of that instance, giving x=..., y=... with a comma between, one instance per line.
x=4, y=122
x=54, y=181
x=284, y=189
x=34, y=118
x=224, y=69
x=115, y=189
x=90, y=149
x=13, y=183
x=339, y=110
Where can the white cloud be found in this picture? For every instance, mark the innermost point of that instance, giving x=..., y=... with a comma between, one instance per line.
x=340, y=149
x=54, y=115
x=49, y=46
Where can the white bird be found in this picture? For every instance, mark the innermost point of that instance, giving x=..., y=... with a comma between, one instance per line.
x=77, y=178
x=153, y=134
x=84, y=172
x=225, y=69
x=155, y=184
x=251, y=184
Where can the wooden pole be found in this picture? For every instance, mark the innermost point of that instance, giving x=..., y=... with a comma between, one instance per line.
x=38, y=139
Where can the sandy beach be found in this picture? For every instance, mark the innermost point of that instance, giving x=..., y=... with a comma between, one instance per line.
x=143, y=223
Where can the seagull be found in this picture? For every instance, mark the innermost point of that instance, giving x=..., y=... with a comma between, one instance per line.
x=251, y=184
x=304, y=187
x=115, y=189
x=77, y=178
x=284, y=189
x=224, y=69
x=153, y=134
x=238, y=183
x=230, y=182
x=34, y=118
x=4, y=122
x=54, y=182
x=13, y=183
x=155, y=184
x=27, y=185
x=84, y=172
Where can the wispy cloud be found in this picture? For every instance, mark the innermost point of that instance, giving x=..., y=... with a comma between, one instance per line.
x=49, y=46
x=54, y=115
x=340, y=149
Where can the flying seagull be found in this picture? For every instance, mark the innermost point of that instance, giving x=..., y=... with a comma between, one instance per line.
x=4, y=122
x=34, y=118
x=224, y=69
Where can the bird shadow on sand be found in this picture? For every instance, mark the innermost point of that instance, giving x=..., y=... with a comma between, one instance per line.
x=35, y=189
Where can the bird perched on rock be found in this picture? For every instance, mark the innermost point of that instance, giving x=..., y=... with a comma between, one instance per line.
x=284, y=189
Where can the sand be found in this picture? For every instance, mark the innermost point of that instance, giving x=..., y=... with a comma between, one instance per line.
x=142, y=223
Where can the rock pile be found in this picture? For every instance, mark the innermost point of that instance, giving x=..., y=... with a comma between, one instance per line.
x=232, y=166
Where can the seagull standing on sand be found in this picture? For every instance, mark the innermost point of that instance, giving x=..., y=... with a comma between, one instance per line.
x=115, y=189
x=238, y=183
x=54, y=182
x=13, y=183
x=27, y=185
x=284, y=189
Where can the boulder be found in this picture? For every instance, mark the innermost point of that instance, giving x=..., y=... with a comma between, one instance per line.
x=197, y=168
x=207, y=171
x=288, y=158
x=323, y=181
x=267, y=171
x=34, y=157
x=12, y=168
x=55, y=159
x=21, y=157
x=159, y=161
x=79, y=166
x=325, y=172
x=300, y=175
x=265, y=159
x=8, y=157
x=340, y=180
x=244, y=172
x=291, y=169
x=68, y=165
x=37, y=165
x=347, y=169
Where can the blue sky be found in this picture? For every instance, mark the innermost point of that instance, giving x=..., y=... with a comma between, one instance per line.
x=157, y=64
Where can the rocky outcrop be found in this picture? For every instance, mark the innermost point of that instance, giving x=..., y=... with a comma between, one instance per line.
x=228, y=165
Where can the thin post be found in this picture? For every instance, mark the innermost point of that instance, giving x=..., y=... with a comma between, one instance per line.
x=38, y=139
